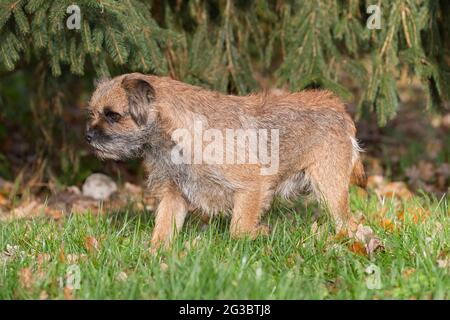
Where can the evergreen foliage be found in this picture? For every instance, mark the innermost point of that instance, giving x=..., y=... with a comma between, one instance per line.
x=228, y=44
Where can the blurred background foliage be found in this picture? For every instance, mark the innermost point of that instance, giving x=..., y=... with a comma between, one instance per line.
x=47, y=71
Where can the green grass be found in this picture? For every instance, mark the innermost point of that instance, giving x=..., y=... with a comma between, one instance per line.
x=294, y=262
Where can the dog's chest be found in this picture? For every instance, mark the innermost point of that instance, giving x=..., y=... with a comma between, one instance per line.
x=204, y=187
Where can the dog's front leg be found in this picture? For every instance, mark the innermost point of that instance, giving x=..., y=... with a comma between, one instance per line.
x=170, y=216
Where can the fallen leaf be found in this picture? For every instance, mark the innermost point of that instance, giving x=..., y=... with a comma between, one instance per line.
x=122, y=276
x=395, y=188
x=416, y=215
x=75, y=258
x=43, y=295
x=375, y=181
x=6, y=187
x=364, y=233
x=365, y=236
x=408, y=272
x=373, y=245
x=11, y=253
x=54, y=214
x=340, y=236
x=91, y=244
x=3, y=200
x=314, y=227
x=164, y=266
x=42, y=259
x=388, y=225
x=358, y=248
x=68, y=293
x=443, y=263
x=61, y=255
x=26, y=278
x=25, y=210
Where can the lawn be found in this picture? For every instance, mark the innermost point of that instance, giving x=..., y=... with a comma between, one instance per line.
x=91, y=256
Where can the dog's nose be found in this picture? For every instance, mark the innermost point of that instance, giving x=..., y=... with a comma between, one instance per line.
x=89, y=135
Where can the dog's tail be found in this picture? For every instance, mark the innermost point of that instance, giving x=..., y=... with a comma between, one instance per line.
x=358, y=176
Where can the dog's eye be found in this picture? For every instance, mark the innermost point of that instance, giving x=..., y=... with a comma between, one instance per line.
x=112, y=116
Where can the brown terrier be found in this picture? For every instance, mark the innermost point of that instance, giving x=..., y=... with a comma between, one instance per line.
x=311, y=137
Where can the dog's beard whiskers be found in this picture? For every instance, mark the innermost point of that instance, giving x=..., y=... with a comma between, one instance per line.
x=121, y=146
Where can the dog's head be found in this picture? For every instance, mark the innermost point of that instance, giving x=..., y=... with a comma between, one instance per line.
x=121, y=115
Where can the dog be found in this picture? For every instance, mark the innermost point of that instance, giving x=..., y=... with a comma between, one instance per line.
x=313, y=149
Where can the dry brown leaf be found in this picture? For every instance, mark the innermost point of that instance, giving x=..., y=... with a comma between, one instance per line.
x=6, y=187
x=73, y=258
x=43, y=295
x=373, y=245
x=164, y=266
x=365, y=236
x=42, y=259
x=25, y=210
x=3, y=201
x=358, y=248
x=408, y=272
x=61, y=255
x=443, y=263
x=388, y=225
x=55, y=214
x=122, y=276
x=68, y=293
x=84, y=205
x=364, y=233
x=375, y=181
x=11, y=253
x=395, y=188
x=340, y=236
x=91, y=244
x=26, y=278
x=416, y=215
x=182, y=254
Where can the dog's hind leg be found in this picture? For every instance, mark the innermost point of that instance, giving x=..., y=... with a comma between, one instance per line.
x=330, y=179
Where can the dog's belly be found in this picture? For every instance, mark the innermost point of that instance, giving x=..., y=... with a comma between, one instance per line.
x=211, y=193
x=210, y=198
x=205, y=189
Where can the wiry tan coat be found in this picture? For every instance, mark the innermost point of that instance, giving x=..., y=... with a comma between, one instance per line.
x=135, y=115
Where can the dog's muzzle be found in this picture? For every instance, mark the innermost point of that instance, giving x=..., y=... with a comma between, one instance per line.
x=89, y=135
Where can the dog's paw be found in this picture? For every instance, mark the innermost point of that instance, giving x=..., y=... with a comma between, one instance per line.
x=157, y=245
x=260, y=230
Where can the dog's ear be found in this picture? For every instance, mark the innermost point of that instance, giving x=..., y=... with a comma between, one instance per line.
x=140, y=94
